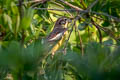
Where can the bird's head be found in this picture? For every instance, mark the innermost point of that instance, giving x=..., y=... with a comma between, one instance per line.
x=62, y=21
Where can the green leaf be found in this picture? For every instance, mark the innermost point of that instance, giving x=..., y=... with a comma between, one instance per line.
x=14, y=8
x=27, y=18
x=8, y=21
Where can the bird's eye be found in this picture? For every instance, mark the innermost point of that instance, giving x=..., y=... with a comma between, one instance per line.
x=65, y=19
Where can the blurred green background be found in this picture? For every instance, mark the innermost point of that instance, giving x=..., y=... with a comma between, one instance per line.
x=93, y=49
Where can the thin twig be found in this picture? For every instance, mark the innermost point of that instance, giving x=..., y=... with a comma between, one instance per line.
x=67, y=40
x=81, y=44
x=93, y=4
x=55, y=9
x=69, y=36
x=107, y=15
x=35, y=4
x=76, y=28
x=101, y=19
x=107, y=31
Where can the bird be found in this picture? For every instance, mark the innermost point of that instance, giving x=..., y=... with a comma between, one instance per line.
x=58, y=32
x=59, y=29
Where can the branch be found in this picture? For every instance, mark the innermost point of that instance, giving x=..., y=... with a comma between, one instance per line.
x=75, y=7
x=99, y=31
x=21, y=16
x=82, y=11
x=105, y=14
x=79, y=9
x=20, y=8
x=55, y=9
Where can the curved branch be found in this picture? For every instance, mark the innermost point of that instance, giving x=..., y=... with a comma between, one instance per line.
x=99, y=31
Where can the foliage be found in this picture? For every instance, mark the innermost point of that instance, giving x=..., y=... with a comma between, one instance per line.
x=92, y=49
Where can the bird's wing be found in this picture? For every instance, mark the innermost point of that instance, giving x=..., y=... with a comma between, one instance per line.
x=56, y=34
